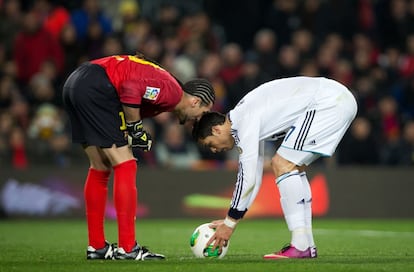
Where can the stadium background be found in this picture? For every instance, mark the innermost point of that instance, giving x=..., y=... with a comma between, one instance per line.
x=368, y=45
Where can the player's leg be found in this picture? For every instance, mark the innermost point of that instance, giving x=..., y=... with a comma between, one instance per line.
x=125, y=199
x=124, y=193
x=308, y=212
x=96, y=184
x=292, y=198
x=96, y=193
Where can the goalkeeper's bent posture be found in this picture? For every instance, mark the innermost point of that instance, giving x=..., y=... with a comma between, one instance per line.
x=312, y=115
x=106, y=100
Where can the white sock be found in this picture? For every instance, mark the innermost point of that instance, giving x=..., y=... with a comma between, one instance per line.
x=308, y=208
x=292, y=200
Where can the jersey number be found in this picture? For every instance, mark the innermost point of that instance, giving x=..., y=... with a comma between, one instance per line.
x=123, y=123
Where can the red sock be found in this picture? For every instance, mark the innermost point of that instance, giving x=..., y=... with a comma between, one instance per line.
x=95, y=192
x=125, y=199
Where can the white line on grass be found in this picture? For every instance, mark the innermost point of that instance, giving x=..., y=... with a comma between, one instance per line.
x=366, y=233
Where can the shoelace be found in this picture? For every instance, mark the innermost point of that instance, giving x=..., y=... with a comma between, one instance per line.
x=285, y=248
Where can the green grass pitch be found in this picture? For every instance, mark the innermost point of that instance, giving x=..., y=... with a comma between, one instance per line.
x=343, y=245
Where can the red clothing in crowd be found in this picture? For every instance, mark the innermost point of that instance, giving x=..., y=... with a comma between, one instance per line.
x=31, y=50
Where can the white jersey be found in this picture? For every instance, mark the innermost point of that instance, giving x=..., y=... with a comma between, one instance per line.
x=312, y=114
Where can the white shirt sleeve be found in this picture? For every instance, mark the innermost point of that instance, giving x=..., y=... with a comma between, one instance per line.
x=250, y=171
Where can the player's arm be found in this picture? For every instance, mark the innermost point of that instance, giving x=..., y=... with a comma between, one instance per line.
x=131, y=93
x=249, y=179
x=137, y=136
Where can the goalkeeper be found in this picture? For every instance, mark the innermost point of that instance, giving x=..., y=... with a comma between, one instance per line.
x=312, y=115
x=106, y=100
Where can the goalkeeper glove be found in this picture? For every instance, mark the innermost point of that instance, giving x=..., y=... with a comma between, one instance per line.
x=138, y=137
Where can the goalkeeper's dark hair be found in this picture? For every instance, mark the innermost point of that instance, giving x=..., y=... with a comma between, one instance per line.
x=203, y=127
x=202, y=89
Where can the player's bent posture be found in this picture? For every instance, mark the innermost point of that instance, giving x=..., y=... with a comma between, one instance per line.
x=106, y=100
x=312, y=115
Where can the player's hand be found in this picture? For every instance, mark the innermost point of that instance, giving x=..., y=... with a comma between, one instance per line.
x=138, y=137
x=222, y=235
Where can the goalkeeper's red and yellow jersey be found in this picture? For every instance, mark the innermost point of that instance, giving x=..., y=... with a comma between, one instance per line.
x=141, y=83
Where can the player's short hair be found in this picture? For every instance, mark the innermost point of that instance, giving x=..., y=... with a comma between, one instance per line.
x=203, y=127
x=202, y=89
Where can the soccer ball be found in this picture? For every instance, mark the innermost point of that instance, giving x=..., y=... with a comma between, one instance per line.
x=198, y=243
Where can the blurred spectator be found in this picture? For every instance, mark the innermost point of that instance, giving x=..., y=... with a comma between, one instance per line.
x=366, y=97
x=127, y=15
x=152, y=48
x=33, y=46
x=342, y=72
x=303, y=42
x=394, y=23
x=388, y=120
x=41, y=90
x=175, y=151
x=112, y=46
x=309, y=68
x=232, y=58
x=407, y=100
x=289, y=62
x=93, y=42
x=12, y=101
x=359, y=145
x=313, y=14
x=407, y=65
x=167, y=20
x=209, y=68
x=283, y=18
x=197, y=28
x=326, y=58
x=366, y=17
x=401, y=151
x=53, y=16
x=252, y=76
x=6, y=125
x=89, y=14
x=135, y=34
x=47, y=130
x=10, y=21
x=74, y=51
x=181, y=66
x=18, y=148
x=341, y=18
x=264, y=47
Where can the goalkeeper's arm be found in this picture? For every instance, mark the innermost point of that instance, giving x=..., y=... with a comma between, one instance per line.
x=137, y=136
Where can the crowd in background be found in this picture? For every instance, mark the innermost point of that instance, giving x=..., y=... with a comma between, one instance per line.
x=368, y=45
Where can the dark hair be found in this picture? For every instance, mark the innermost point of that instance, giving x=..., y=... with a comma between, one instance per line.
x=203, y=127
x=202, y=89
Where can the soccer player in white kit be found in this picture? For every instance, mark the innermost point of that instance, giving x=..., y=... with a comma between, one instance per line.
x=311, y=114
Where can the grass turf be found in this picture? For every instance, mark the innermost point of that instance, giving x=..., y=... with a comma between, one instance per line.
x=343, y=245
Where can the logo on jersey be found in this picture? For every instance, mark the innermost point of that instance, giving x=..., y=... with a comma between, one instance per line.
x=151, y=93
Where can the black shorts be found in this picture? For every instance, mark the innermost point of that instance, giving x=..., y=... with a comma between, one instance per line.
x=94, y=108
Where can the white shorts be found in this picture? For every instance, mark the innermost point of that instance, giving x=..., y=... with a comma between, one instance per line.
x=319, y=130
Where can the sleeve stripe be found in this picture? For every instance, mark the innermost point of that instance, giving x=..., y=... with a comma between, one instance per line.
x=239, y=187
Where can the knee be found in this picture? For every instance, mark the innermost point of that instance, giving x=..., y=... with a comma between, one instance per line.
x=280, y=165
x=101, y=165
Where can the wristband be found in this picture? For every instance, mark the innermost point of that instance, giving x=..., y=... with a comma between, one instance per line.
x=229, y=223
